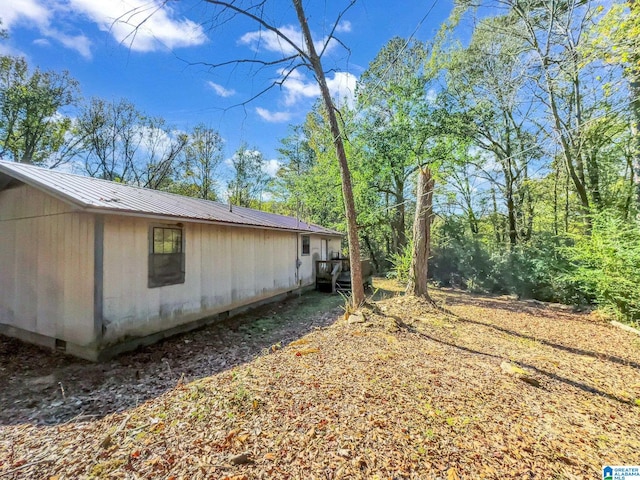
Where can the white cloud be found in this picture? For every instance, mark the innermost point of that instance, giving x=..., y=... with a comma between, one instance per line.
x=24, y=11
x=342, y=87
x=79, y=43
x=43, y=42
x=271, y=167
x=268, y=40
x=344, y=27
x=141, y=25
x=273, y=117
x=220, y=90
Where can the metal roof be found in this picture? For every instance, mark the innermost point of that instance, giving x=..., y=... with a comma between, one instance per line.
x=103, y=196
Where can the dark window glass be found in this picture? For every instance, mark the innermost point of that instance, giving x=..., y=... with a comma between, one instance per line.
x=166, y=259
x=306, y=244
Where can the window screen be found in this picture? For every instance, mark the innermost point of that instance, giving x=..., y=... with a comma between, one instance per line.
x=166, y=257
x=306, y=244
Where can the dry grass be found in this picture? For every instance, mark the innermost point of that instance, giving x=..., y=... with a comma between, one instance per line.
x=411, y=392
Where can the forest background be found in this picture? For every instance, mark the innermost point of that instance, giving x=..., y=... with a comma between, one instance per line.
x=529, y=130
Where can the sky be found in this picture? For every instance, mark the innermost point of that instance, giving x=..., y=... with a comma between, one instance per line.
x=164, y=66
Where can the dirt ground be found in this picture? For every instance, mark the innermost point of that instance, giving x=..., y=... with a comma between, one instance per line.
x=480, y=387
x=44, y=387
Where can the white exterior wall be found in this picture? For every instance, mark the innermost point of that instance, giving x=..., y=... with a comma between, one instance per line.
x=226, y=267
x=46, y=267
x=317, y=252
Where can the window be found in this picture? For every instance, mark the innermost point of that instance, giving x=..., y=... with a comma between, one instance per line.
x=306, y=244
x=166, y=256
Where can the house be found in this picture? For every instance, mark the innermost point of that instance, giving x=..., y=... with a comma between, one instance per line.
x=93, y=267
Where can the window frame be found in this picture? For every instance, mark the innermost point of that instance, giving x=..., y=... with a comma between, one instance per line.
x=308, y=245
x=174, y=263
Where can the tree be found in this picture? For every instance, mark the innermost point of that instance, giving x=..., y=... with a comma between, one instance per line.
x=202, y=158
x=552, y=33
x=421, y=235
x=304, y=55
x=32, y=126
x=122, y=144
x=298, y=158
x=392, y=94
x=616, y=38
x=248, y=177
x=488, y=82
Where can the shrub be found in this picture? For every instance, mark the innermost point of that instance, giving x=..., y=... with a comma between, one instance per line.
x=401, y=264
x=607, y=265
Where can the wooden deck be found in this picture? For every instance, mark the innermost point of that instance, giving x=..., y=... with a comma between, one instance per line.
x=335, y=275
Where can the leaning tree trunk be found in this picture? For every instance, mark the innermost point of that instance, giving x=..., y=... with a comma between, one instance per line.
x=357, y=288
x=421, y=235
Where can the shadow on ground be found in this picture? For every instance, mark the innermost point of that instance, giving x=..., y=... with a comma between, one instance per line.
x=44, y=387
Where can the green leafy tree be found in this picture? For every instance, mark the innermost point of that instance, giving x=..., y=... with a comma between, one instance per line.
x=616, y=38
x=33, y=128
x=248, y=180
x=392, y=94
x=488, y=82
x=202, y=157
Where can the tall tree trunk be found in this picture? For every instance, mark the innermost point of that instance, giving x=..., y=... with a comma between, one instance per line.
x=496, y=222
x=357, y=288
x=635, y=129
x=421, y=235
x=555, y=196
x=511, y=205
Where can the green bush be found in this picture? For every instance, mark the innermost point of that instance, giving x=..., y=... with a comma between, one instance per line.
x=606, y=265
x=536, y=269
x=401, y=264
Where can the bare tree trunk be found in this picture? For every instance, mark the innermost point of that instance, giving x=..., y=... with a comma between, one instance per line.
x=357, y=288
x=421, y=235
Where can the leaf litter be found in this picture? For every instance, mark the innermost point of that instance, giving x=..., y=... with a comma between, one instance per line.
x=414, y=391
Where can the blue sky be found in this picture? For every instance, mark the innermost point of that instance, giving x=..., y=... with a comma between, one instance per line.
x=160, y=67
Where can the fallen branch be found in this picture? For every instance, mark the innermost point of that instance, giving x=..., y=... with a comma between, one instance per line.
x=26, y=465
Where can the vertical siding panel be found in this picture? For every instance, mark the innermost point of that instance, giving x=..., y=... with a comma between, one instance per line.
x=26, y=273
x=140, y=263
x=205, y=269
x=194, y=277
x=72, y=265
x=86, y=276
x=43, y=279
x=8, y=280
x=61, y=268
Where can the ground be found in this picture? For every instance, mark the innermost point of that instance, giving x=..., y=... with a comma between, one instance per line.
x=480, y=387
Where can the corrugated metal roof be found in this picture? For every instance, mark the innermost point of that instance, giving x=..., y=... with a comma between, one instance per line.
x=110, y=197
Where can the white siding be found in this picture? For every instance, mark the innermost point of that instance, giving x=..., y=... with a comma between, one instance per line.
x=226, y=267
x=46, y=266
x=308, y=266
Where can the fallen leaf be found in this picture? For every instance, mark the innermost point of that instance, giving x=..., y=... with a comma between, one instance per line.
x=452, y=474
x=343, y=452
